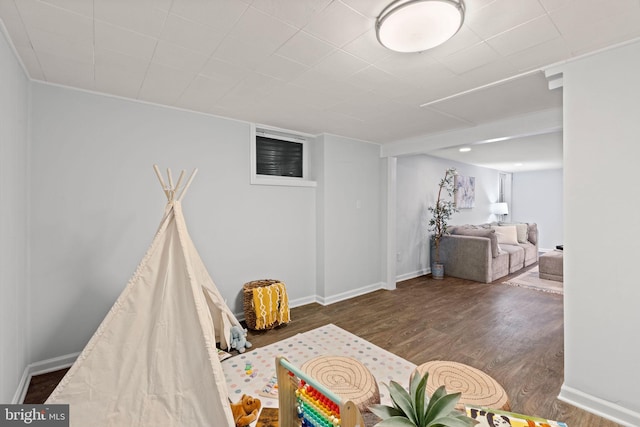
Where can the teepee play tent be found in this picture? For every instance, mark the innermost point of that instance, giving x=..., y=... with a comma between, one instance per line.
x=153, y=359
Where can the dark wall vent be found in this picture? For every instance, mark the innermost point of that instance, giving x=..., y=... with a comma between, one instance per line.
x=277, y=157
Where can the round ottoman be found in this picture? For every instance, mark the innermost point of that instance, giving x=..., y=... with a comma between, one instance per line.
x=477, y=388
x=346, y=377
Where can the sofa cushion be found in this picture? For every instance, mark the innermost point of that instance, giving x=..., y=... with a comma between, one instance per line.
x=530, y=253
x=516, y=257
x=479, y=232
x=533, y=233
x=522, y=229
x=507, y=234
x=500, y=266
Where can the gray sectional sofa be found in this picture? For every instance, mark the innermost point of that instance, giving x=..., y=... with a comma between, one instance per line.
x=487, y=252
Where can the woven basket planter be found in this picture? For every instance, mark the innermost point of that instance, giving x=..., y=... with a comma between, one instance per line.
x=249, y=310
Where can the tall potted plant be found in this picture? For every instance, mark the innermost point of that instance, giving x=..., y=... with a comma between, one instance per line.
x=440, y=214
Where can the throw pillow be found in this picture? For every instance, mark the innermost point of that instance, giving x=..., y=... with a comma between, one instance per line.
x=452, y=229
x=521, y=228
x=455, y=229
x=506, y=234
x=477, y=232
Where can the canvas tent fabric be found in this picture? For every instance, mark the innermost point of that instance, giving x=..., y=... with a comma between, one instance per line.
x=153, y=359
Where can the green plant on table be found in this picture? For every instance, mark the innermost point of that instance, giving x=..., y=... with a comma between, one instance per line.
x=414, y=408
x=443, y=209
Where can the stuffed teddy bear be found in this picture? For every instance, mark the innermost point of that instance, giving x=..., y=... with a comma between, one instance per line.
x=239, y=339
x=245, y=411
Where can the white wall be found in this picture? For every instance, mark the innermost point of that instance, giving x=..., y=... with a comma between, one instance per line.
x=537, y=197
x=601, y=229
x=417, y=187
x=96, y=204
x=349, y=217
x=14, y=215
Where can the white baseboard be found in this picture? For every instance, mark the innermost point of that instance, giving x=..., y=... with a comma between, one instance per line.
x=600, y=407
x=413, y=275
x=39, y=368
x=23, y=387
x=303, y=301
x=292, y=303
x=349, y=294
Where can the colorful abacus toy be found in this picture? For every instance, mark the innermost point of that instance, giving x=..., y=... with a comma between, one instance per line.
x=303, y=402
x=315, y=409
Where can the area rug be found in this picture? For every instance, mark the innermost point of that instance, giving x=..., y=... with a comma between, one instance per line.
x=530, y=279
x=253, y=372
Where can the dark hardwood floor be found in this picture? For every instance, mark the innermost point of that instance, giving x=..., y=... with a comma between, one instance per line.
x=513, y=334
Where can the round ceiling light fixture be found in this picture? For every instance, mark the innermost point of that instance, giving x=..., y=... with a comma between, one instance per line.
x=417, y=25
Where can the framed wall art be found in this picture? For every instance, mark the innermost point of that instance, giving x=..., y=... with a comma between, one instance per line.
x=465, y=191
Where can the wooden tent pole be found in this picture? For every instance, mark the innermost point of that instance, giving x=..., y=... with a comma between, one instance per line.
x=159, y=175
x=171, y=187
x=186, y=186
x=180, y=179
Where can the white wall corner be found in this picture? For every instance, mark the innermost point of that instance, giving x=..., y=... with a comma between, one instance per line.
x=23, y=387
x=302, y=301
x=39, y=368
x=413, y=274
x=389, y=223
x=600, y=407
x=349, y=294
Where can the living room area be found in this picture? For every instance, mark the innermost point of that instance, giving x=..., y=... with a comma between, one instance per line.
x=533, y=196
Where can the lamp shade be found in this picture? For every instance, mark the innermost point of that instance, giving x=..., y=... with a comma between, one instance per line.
x=417, y=25
x=500, y=208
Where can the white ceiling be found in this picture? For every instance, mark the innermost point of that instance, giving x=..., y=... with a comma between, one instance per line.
x=521, y=154
x=313, y=66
